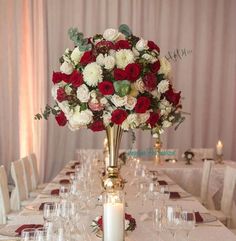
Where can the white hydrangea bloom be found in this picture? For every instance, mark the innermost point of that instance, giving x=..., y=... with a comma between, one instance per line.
x=92, y=74
x=124, y=57
x=80, y=119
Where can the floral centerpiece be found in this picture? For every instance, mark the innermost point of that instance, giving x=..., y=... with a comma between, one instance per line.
x=97, y=224
x=114, y=78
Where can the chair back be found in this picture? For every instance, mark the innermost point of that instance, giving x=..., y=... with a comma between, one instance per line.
x=207, y=166
x=228, y=190
x=19, y=193
x=35, y=172
x=27, y=173
x=4, y=196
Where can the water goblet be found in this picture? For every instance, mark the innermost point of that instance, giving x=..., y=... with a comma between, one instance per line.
x=27, y=234
x=49, y=212
x=188, y=221
x=64, y=191
x=41, y=234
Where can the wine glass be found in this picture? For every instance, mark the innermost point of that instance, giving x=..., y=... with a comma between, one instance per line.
x=172, y=219
x=41, y=234
x=64, y=191
x=157, y=220
x=28, y=234
x=49, y=212
x=188, y=221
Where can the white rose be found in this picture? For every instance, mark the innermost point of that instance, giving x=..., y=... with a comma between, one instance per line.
x=119, y=101
x=124, y=57
x=142, y=45
x=165, y=107
x=92, y=74
x=149, y=58
x=163, y=86
x=165, y=67
x=139, y=85
x=111, y=34
x=156, y=94
x=80, y=119
x=166, y=124
x=76, y=55
x=135, y=52
x=106, y=118
x=83, y=93
x=131, y=102
x=143, y=117
x=65, y=107
x=100, y=59
x=109, y=62
x=66, y=68
x=133, y=120
x=103, y=101
x=68, y=89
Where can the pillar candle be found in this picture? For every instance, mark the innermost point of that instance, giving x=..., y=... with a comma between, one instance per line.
x=113, y=222
x=219, y=148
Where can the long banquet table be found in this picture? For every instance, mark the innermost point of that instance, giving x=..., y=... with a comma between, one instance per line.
x=211, y=231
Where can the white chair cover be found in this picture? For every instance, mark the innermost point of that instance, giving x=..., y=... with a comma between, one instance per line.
x=4, y=196
x=35, y=172
x=27, y=174
x=19, y=193
x=205, y=180
x=228, y=190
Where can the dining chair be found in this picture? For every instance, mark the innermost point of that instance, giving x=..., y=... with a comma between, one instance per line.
x=5, y=209
x=224, y=214
x=35, y=173
x=19, y=195
x=28, y=177
x=206, y=172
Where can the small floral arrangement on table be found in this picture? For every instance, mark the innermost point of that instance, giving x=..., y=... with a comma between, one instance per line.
x=114, y=78
x=97, y=224
x=188, y=155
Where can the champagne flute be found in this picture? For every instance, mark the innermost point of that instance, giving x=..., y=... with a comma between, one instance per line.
x=157, y=221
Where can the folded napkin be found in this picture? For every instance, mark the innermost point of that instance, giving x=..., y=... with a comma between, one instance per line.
x=64, y=181
x=55, y=192
x=162, y=182
x=198, y=217
x=24, y=226
x=42, y=205
x=76, y=163
x=174, y=195
x=68, y=173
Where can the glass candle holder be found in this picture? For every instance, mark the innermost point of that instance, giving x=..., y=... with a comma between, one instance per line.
x=113, y=216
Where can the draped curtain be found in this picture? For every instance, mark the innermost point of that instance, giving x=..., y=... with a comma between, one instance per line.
x=33, y=35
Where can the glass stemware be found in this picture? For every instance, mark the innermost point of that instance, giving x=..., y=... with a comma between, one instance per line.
x=28, y=234
x=49, y=212
x=157, y=221
x=188, y=221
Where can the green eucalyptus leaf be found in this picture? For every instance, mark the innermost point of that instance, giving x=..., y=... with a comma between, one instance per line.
x=123, y=28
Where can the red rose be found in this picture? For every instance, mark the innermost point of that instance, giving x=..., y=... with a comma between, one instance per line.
x=61, y=119
x=105, y=44
x=132, y=71
x=76, y=78
x=97, y=126
x=122, y=44
x=150, y=81
x=153, y=46
x=155, y=66
x=106, y=88
x=58, y=77
x=100, y=223
x=120, y=74
x=87, y=58
x=142, y=105
x=118, y=116
x=172, y=97
x=153, y=118
x=61, y=94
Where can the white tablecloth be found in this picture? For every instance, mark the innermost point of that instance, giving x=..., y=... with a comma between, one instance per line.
x=144, y=230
